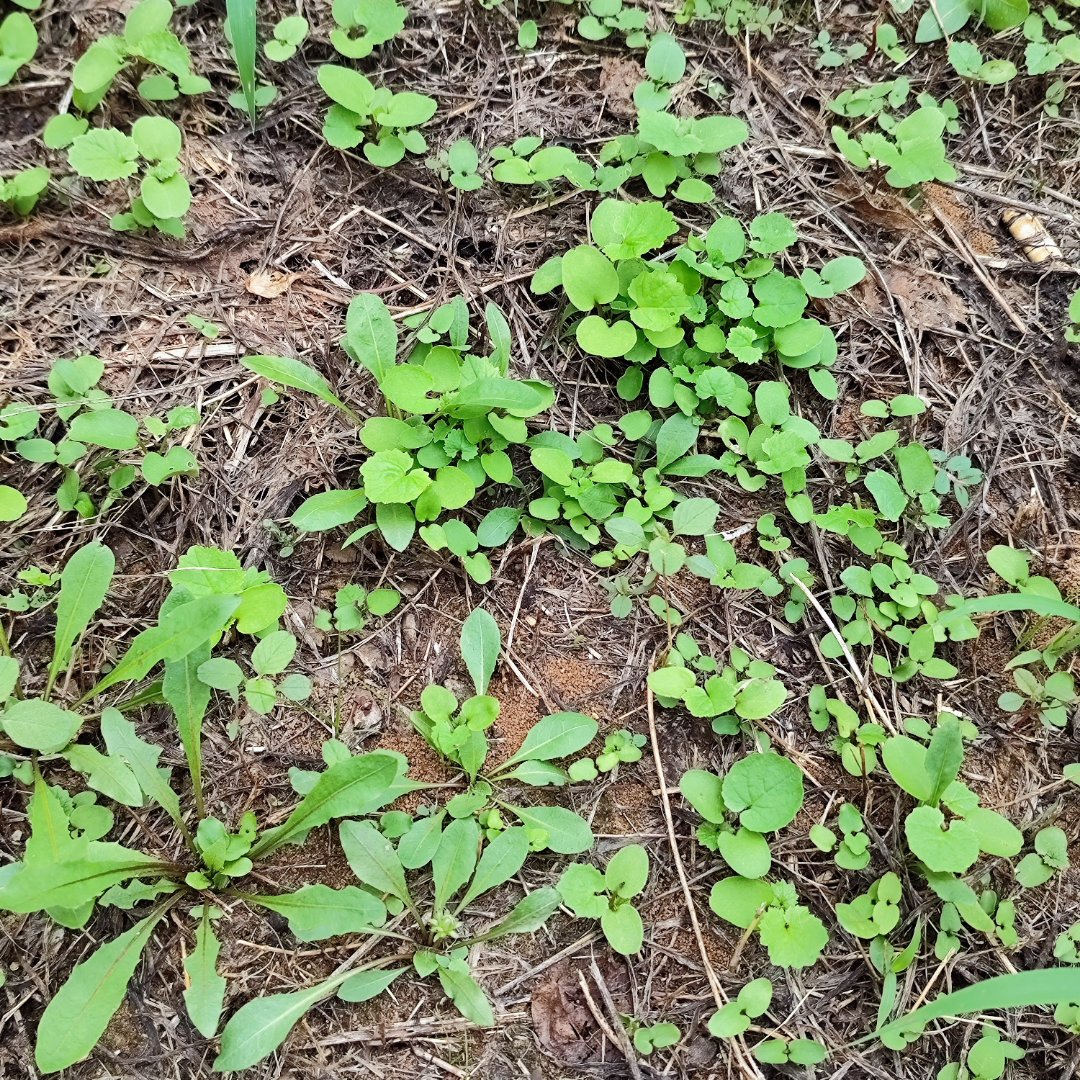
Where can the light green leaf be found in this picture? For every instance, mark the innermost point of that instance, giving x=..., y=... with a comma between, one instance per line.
x=84, y=583
x=555, y=736
x=296, y=375
x=527, y=915
x=365, y=985
x=39, y=725
x=500, y=861
x=315, y=912
x=481, y=642
x=205, y=993
x=242, y=30
x=141, y=757
x=372, y=859
x=765, y=789
x=79, y=1013
x=357, y=785
x=454, y=859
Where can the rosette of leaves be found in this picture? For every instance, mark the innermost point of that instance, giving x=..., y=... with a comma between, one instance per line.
x=386, y=123
x=762, y=792
x=742, y=692
x=22, y=191
x=362, y=25
x=18, y=44
x=67, y=870
x=148, y=40
x=154, y=146
x=463, y=869
x=853, y=851
x=609, y=896
x=458, y=734
x=100, y=448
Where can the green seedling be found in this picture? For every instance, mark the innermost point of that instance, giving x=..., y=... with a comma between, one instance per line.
x=363, y=25
x=21, y=192
x=1051, y=856
x=654, y=1037
x=458, y=164
x=289, y=35
x=18, y=44
x=608, y=896
x=386, y=124
x=606, y=17
x=353, y=604
x=270, y=657
x=147, y=39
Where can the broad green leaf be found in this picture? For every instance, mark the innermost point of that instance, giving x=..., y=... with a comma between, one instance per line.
x=329, y=509
x=564, y=831
x=371, y=335
x=180, y=632
x=455, y=859
x=81, y=1010
x=205, y=992
x=481, y=642
x=628, y=871
x=123, y=743
x=365, y=985
x=80, y=878
x=765, y=789
x=261, y=1026
x=104, y=154
x=624, y=230
x=555, y=736
x=357, y=785
x=464, y=991
x=677, y=437
x=372, y=859
x=738, y=900
x=84, y=583
x=704, y=791
x=105, y=773
x=12, y=503
x=500, y=861
x=527, y=916
x=111, y=428
x=296, y=375
x=39, y=725
x=315, y=912
x=623, y=928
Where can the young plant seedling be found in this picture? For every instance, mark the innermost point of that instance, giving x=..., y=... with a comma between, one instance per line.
x=608, y=896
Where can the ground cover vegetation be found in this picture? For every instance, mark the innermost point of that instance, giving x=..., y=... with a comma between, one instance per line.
x=539, y=538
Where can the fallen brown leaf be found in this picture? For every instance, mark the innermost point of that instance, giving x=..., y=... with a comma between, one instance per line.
x=269, y=285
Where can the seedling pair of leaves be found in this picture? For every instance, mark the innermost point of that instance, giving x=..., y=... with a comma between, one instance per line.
x=763, y=791
x=856, y=742
x=353, y=605
x=737, y=1017
x=459, y=164
x=21, y=192
x=289, y=34
x=270, y=657
x=743, y=691
x=384, y=122
x=986, y=1060
x=91, y=420
x=608, y=896
x=738, y=17
x=18, y=44
x=146, y=39
x=607, y=17
x=853, y=849
x=154, y=145
x=1043, y=54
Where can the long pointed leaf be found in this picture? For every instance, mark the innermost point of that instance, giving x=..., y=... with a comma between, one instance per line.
x=296, y=375
x=1022, y=989
x=262, y=1025
x=501, y=860
x=141, y=758
x=76, y=1018
x=188, y=698
x=180, y=632
x=241, y=15
x=205, y=993
x=83, y=585
x=356, y=786
x=480, y=645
